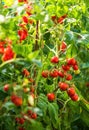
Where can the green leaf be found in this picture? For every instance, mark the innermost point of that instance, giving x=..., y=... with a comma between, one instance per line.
x=85, y=65
x=8, y=105
x=33, y=55
x=38, y=62
x=42, y=102
x=38, y=111
x=22, y=50
x=49, y=127
x=85, y=117
x=86, y=2
x=35, y=125
x=53, y=113
x=69, y=36
x=84, y=40
x=3, y=95
x=7, y=122
x=71, y=51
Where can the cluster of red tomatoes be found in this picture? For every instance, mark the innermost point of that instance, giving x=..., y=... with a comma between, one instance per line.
x=59, y=20
x=63, y=73
x=18, y=100
x=25, y=117
x=25, y=1
x=6, y=50
x=26, y=19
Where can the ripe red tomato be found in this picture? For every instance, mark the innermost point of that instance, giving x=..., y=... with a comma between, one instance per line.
x=75, y=97
x=68, y=77
x=2, y=43
x=8, y=54
x=23, y=34
x=26, y=72
x=54, y=73
x=6, y=87
x=25, y=19
x=71, y=92
x=21, y=120
x=16, y=100
x=60, y=20
x=13, y=97
x=33, y=115
x=63, y=46
x=75, y=67
x=54, y=59
x=1, y=49
x=61, y=74
x=51, y=96
x=20, y=0
x=71, y=61
x=66, y=67
x=45, y=73
x=63, y=86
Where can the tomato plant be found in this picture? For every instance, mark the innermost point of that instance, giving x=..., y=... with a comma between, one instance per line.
x=44, y=65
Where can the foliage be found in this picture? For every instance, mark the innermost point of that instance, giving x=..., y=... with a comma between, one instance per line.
x=37, y=38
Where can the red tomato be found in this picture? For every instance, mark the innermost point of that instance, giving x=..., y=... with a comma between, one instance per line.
x=1, y=49
x=75, y=67
x=63, y=46
x=66, y=67
x=6, y=87
x=21, y=120
x=26, y=72
x=8, y=54
x=54, y=73
x=45, y=73
x=16, y=100
x=61, y=74
x=68, y=77
x=25, y=19
x=74, y=97
x=54, y=59
x=51, y=96
x=71, y=92
x=71, y=61
x=63, y=86
x=33, y=115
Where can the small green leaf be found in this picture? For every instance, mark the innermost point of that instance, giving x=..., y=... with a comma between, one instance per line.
x=71, y=51
x=69, y=36
x=34, y=125
x=22, y=50
x=8, y=105
x=38, y=62
x=53, y=113
x=33, y=55
x=85, y=65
